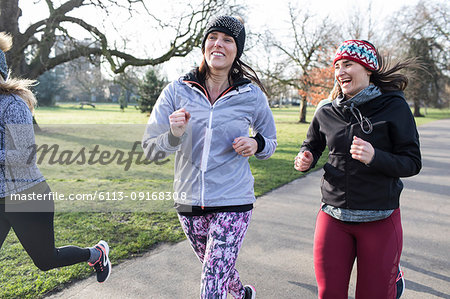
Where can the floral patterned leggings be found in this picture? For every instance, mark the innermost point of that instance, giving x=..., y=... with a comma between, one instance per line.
x=216, y=239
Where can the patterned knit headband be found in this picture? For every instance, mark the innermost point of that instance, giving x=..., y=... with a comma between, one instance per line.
x=359, y=51
x=228, y=25
x=3, y=65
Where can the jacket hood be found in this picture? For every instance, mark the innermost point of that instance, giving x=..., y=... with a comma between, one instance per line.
x=392, y=94
x=372, y=106
x=378, y=100
x=381, y=101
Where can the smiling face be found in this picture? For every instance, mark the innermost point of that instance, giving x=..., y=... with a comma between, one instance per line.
x=351, y=76
x=220, y=51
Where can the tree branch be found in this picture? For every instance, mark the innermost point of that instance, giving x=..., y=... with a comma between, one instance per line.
x=44, y=36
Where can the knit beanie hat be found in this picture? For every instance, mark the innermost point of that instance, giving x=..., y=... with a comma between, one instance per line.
x=5, y=45
x=3, y=66
x=228, y=25
x=359, y=51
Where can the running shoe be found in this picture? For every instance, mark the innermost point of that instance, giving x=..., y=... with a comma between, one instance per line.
x=250, y=292
x=400, y=282
x=102, y=266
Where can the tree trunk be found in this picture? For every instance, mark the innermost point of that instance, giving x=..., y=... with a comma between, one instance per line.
x=9, y=16
x=10, y=13
x=303, y=105
x=417, y=109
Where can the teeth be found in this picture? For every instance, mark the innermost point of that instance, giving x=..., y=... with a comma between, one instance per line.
x=217, y=54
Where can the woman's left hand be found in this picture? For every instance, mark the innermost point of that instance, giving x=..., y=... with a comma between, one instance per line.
x=362, y=150
x=245, y=146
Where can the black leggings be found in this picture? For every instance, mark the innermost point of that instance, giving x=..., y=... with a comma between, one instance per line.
x=35, y=231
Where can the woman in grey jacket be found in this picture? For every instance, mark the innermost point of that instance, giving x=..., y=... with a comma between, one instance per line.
x=32, y=220
x=204, y=118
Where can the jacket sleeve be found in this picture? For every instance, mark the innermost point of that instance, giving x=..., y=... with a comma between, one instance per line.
x=263, y=124
x=405, y=159
x=157, y=139
x=19, y=137
x=315, y=141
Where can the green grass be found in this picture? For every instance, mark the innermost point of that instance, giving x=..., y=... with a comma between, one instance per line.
x=128, y=231
x=432, y=114
x=101, y=114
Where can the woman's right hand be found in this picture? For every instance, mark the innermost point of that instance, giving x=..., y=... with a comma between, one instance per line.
x=178, y=121
x=303, y=161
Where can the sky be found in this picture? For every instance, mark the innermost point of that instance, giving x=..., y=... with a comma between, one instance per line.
x=261, y=15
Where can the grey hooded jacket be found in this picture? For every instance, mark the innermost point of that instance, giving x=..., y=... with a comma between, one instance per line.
x=206, y=166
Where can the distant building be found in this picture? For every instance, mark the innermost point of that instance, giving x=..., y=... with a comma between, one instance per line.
x=82, y=77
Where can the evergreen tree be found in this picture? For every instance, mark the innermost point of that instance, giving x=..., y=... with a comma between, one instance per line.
x=423, y=87
x=421, y=31
x=50, y=86
x=149, y=90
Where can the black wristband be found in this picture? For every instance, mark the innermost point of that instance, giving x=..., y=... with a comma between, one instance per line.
x=261, y=142
x=174, y=140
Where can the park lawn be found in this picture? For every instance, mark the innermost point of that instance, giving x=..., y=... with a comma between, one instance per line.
x=130, y=232
x=432, y=114
x=101, y=114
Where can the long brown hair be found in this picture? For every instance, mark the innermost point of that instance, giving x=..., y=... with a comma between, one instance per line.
x=16, y=86
x=387, y=77
x=238, y=70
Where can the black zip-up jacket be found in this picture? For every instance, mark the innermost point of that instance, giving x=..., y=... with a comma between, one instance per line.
x=351, y=184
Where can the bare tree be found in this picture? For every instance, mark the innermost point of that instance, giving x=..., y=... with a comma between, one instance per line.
x=84, y=81
x=33, y=52
x=307, y=47
x=268, y=65
x=422, y=31
x=128, y=81
x=360, y=25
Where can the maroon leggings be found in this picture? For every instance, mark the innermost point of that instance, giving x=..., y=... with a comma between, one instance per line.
x=377, y=246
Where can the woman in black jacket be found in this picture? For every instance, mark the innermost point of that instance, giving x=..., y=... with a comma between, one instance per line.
x=373, y=141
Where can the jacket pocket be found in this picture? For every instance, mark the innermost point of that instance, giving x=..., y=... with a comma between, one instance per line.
x=333, y=175
x=333, y=186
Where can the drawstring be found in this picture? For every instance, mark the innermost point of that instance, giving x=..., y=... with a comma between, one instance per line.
x=361, y=119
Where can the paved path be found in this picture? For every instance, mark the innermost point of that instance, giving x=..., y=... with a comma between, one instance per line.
x=277, y=253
